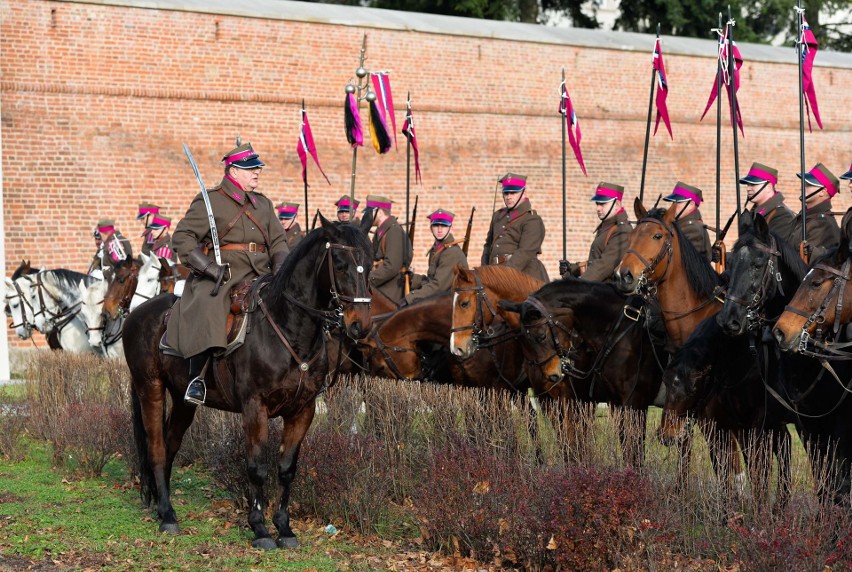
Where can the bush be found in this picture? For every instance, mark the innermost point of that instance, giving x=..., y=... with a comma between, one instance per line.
x=87, y=436
x=13, y=422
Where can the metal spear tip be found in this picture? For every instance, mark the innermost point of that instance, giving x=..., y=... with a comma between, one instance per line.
x=350, y=88
x=361, y=71
x=371, y=96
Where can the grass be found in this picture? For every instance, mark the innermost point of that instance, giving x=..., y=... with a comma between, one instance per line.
x=13, y=393
x=99, y=522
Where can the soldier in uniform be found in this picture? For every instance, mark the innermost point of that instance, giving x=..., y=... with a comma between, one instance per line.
x=252, y=243
x=822, y=230
x=516, y=231
x=847, y=176
x=161, y=240
x=391, y=250
x=96, y=266
x=287, y=215
x=344, y=213
x=143, y=214
x=444, y=255
x=760, y=189
x=611, y=236
x=687, y=199
x=115, y=249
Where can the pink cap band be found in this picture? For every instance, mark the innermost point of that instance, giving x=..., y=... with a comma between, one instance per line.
x=148, y=210
x=441, y=216
x=105, y=229
x=603, y=191
x=824, y=181
x=344, y=205
x=760, y=173
x=239, y=157
x=288, y=210
x=514, y=183
x=378, y=205
x=688, y=194
x=160, y=221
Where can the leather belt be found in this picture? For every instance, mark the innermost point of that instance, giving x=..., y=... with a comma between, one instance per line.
x=502, y=258
x=246, y=247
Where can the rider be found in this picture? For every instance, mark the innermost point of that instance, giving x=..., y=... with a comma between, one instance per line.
x=287, y=215
x=444, y=255
x=687, y=199
x=160, y=240
x=822, y=230
x=143, y=214
x=760, y=189
x=343, y=205
x=96, y=266
x=847, y=176
x=252, y=243
x=516, y=231
x=611, y=236
x=115, y=249
x=391, y=250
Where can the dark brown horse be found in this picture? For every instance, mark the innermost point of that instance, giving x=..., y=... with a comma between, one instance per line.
x=278, y=372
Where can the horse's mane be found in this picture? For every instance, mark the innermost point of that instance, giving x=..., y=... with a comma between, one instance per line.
x=789, y=255
x=508, y=279
x=431, y=297
x=68, y=279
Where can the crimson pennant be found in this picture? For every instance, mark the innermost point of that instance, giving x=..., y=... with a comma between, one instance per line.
x=662, y=88
x=809, y=49
x=408, y=131
x=726, y=78
x=574, y=135
x=306, y=145
x=384, y=99
x=352, y=121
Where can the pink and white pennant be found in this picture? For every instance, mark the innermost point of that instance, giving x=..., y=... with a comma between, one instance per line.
x=574, y=135
x=726, y=78
x=306, y=146
x=662, y=88
x=809, y=49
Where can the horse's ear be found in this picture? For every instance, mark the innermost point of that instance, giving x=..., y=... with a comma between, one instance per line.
x=9, y=284
x=530, y=312
x=639, y=209
x=464, y=274
x=671, y=213
x=510, y=306
x=761, y=228
x=143, y=258
x=367, y=220
x=324, y=222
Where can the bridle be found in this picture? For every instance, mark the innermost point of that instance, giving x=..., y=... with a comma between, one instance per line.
x=25, y=302
x=58, y=320
x=361, y=290
x=481, y=336
x=771, y=275
x=643, y=283
x=552, y=326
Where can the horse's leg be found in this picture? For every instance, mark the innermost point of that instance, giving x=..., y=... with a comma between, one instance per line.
x=256, y=429
x=292, y=434
x=180, y=418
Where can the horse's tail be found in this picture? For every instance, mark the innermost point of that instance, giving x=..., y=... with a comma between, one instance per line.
x=148, y=484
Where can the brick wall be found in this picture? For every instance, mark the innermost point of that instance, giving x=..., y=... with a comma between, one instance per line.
x=97, y=100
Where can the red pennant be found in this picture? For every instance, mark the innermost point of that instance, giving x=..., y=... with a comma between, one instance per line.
x=567, y=110
x=408, y=131
x=809, y=49
x=726, y=79
x=306, y=145
x=662, y=88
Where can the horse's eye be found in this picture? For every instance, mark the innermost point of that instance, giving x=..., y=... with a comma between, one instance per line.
x=658, y=236
x=817, y=282
x=121, y=280
x=464, y=304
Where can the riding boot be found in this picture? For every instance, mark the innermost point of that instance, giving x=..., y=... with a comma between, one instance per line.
x=196, y=391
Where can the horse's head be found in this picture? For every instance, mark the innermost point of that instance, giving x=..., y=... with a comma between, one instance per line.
x=469, y=313
x=685, y=384
x=147, y=280
x=344, y=273
x=91, y=303
x=19, y=301
x=391, y=361
x=22, y=270
x=649, y=251
x=753, y=266
x=121, y=288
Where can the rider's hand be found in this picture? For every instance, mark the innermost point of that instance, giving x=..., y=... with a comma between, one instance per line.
x=716, y=253
x=563, y=267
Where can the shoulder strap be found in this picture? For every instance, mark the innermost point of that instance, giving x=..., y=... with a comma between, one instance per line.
x=243, y=211
x=609, y=234
x=519, y=217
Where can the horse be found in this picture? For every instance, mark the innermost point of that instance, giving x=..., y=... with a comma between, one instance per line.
x=19, y=301
x=91, y=310
x=818, y=376
x=580, y=330
x=56, y=307
x=279, y=371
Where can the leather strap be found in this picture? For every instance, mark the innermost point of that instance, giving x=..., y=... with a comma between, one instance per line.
x=246, y=247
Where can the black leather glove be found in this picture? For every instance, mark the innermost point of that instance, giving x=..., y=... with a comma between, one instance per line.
x=563, y=267
x=808, y=250
x=278, y=260
x=204, y=267
x=716, y=253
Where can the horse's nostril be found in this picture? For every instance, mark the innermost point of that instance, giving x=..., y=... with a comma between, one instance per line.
x=554, y=377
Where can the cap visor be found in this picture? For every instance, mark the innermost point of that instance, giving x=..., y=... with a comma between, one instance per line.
x=601, y=199
x=810, y=179
x=675, y=198
x=847, y=175
x=748, y=180
x=251, y=163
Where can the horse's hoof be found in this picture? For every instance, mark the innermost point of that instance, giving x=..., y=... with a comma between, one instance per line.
x=170, y=527
x=265, y=543
x=288, y=542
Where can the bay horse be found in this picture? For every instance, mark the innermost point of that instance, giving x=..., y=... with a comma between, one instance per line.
x=591, y=349
x=279, y=371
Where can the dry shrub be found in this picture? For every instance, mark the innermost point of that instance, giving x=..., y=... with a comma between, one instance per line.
x=13, y=422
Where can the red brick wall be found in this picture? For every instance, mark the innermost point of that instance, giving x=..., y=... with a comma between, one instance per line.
x=96, y=101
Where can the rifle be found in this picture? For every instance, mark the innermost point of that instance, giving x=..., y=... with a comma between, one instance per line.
x=314, y=223
x=411, y=226
x=720, y=244
x=467, y=232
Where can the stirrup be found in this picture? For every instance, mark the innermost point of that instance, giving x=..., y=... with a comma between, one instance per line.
x=192, y=399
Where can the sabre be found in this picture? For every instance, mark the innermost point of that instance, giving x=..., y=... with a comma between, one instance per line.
x=214, y=234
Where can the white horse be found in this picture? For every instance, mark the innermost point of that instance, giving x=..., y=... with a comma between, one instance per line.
x=19, y=301
x=56, y=304
x=91, y=310
x=148, y=284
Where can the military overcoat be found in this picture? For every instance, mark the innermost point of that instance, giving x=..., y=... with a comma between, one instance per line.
x=198, y=320
x=391, y=252
x=823, y=230
x=443, y=257
x=294, y=235
x=780, y=219
x=693, y=229
x=608, y=247
x=514, y=239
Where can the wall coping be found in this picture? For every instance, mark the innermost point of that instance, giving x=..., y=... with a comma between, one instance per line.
x=357, y=16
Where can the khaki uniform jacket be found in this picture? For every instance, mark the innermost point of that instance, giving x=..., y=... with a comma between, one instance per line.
x=823, y=231
x=294, y=235
x=608, y=248
x=518, y=234
x=198, y=320
x=391, y=251
x=693, y=228
x=163, y=248
x=112, y=249
x=780, y=219
x=146, y=244
x=443, y=257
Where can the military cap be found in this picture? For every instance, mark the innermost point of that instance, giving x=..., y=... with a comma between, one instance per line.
x=442, y=217
x=821, y=177
x=379, y=202
x=848, y=174
x=286, y=210
x=146, y=208
x=760, y=174
x=607, y=192
x=105, y=225
x=683, y=192
x=513, y=183
x=159, y=221
x=243, y=157
x=344, y=202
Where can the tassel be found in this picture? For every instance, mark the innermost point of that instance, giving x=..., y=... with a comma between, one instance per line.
x=352, y=120
x=378, y=130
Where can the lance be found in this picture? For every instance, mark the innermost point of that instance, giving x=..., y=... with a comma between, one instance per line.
x=314, y=222
x=734, y=108
x=408, y=168
x=362, y=73
x=564, y=119
x=648, y=126
x=466, y=243
x=305, y=178
x=799, y=14
x=719, y=138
